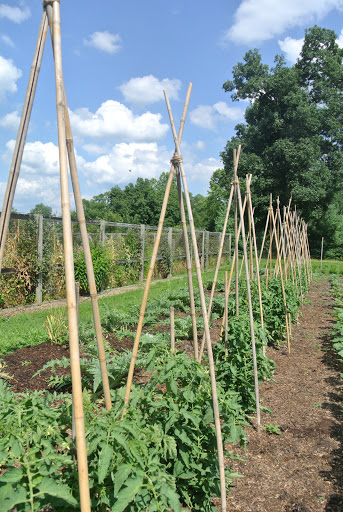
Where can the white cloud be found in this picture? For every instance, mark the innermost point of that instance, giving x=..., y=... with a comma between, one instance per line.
x=291, y=48
x=200, y=145
x=38, y=158
x=15, y=14
x=127, y=162
x=104, y=41
x=10, y=121
x=9, y=75
x=201, y=171
x=339, y=41
x=114, y=120
x=260, y=20
x=209, y=116
x=149, y=89
x=7, y=40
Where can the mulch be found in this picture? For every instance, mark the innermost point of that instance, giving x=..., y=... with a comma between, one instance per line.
x=299, y=470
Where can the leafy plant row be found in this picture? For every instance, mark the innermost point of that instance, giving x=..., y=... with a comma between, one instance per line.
x=162, y=456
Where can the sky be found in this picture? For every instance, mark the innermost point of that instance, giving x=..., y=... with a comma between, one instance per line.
x=117, y=59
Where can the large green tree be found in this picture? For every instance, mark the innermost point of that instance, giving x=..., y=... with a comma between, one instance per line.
x=292, y=138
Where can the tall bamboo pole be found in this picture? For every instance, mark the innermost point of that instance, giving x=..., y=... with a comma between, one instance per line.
x=149, y=276
x=21, y=136
x=178, y=159
x=282, y=282
x=236, y=234
x=226, y=314
x=251, y=318
x=185, y=237
x=85, y=242
x=217, y=266
x=250, y=208
x=233, y=263
x=69, y=266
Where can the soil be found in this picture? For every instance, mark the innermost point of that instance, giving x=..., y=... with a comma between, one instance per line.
x=298, y=470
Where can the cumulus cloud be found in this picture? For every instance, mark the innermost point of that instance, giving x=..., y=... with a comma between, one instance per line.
x=39, y=180
x=291, y=48
x=10, y=121
x=260, y=20
x=115, y=120
x=7, y=40
x=149, y=89
x=15, y=14
x=104, y=41
x=9, y=74
x=209, y=116
x=127, y=162
x=38, y=158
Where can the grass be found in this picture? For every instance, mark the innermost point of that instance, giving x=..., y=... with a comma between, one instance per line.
x=29, y=329
x=328, y=267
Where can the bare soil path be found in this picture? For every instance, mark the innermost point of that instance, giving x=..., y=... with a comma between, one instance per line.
x=299, y=470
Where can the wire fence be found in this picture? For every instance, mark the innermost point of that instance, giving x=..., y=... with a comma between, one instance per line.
x=33, y=266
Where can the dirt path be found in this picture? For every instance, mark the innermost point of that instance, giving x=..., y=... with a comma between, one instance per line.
x=299, y=470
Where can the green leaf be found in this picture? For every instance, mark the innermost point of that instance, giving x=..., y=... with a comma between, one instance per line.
x=127, y=494
x=173, y=497
x=121, y=475
x=56, y=489
x=12, y=475
x=105, y=458
x=17, y=497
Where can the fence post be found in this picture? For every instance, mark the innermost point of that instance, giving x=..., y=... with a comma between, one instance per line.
x=170, y=243
x=102, y=232
x=141, y=277
x=321, y=255
x=203, y=251
x=39, y=289
x=207, y=247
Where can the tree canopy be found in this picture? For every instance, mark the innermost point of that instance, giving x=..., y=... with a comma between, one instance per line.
x=293, y=135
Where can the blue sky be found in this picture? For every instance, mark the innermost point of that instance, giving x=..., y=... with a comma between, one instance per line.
x=117, y=59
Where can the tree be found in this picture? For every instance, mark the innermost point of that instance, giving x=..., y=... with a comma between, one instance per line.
x=291, y=141
x=42, y=209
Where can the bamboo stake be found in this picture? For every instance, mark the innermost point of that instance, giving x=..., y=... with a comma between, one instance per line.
x=282, y=282
x=218, y=265
x=172, y=331
x=236, y=235
x=186, y=240
x=69, y=266
x=250, y=208
x=188, y=267
x=149, y=276
x=226, y=314
x=85, y=243
x=252, y=330
x=178, y=159
x=21, y=136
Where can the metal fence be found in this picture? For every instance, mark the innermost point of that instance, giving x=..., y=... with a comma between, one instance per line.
x=35, y=244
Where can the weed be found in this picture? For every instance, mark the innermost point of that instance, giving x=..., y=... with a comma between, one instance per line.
x=272, y=429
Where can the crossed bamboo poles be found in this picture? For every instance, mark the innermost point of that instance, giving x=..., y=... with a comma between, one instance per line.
x=51, y=17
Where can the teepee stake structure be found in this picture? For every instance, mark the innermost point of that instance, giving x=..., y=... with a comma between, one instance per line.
x=177, y=160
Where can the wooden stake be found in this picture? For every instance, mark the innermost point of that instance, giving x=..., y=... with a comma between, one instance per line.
x=282, y=283
x=85, y=243
x=172, y=331
x=149, y=277
x=251, y=318
x=178, y=160
x=21, y=136
x=226, y=314
x=69, y=266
